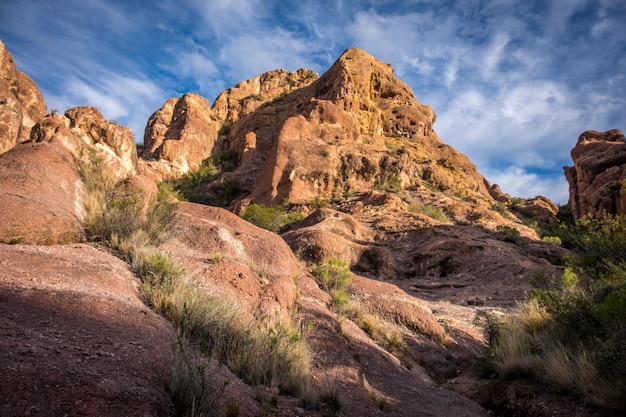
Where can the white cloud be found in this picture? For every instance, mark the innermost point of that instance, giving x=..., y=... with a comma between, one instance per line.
x=249, y=55
x=518, y=182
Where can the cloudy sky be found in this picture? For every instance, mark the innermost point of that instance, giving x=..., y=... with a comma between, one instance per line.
x=513, y=83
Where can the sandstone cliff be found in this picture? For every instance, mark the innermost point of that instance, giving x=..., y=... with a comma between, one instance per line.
x=597, y=181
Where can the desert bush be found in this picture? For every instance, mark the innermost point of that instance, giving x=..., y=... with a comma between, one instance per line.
x=333, y=275
x=111, y=210
x=274, y=219
x=194, y=385
x=571, y=334
x=436, y=213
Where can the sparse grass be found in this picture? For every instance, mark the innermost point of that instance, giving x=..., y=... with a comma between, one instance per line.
x=274, y=219
x=379, y=399
x=267, y=352
x=194, y=387
x=436, y=213
x=571, y=333
x=334, y=277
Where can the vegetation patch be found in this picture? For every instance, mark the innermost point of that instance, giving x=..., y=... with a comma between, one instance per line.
x=266, y=352
x=195, y=185
x=334, y=277
x=436, y=213
x=274, y=219
x=571, y=334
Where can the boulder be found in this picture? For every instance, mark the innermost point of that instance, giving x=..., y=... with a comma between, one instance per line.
x=41, y=195
x=77, y=338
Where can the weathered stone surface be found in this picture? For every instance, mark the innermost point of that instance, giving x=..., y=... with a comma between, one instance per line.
x=77, y=338
x=355, y=128
x=41, y=194
x=21, y=103
x=597, y=179
x=83, y=130
x=180, y=135
x=231, y=257
x=249, y=95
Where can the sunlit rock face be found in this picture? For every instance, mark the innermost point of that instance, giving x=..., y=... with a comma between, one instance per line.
x=21, y=103
x=597, y=181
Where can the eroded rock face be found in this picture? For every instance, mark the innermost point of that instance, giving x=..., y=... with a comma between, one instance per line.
x=83, y=130
x=596, y=181
x=180, y=135
x=185, y=131
x=355, y=128
x=249, y=95
x=21, y=103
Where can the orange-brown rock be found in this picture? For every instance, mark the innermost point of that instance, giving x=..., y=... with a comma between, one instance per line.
x=180, y=135
x=355, y=128
x=597, y=181
x=41, y=194
x=247, y=264
x=83, y=130
x=21, y=103
x=249, y=95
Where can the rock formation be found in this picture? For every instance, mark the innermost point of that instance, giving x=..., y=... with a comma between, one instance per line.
x=597, y=181
x=21, y=103
x=355, y=128
x=184, y=131
x=403, y=209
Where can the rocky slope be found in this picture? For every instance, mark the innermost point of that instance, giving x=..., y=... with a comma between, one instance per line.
x=597, y=181
x=430, y=242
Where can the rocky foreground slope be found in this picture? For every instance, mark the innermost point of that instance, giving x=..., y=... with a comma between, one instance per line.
x=431, y=244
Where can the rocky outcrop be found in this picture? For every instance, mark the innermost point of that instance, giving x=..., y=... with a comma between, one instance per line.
x=85, y=133
x=355, y=128
x=185, y=131
x=249, y=95
x=180, y=135
x=21, y=103
x=597, y=181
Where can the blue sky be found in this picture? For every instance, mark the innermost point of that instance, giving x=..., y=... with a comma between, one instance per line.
x=513, y=83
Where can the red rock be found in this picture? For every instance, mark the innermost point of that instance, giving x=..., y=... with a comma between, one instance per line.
x=598, y=176
x=21, y=103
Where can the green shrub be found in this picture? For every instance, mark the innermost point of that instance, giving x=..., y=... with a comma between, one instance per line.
x=577, y=325
x=194, y=186
x=274, y=219
x=333, y=275
x=436, y=213
x=507, y=234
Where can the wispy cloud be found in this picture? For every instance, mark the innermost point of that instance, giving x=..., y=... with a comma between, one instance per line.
x=513, y=83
